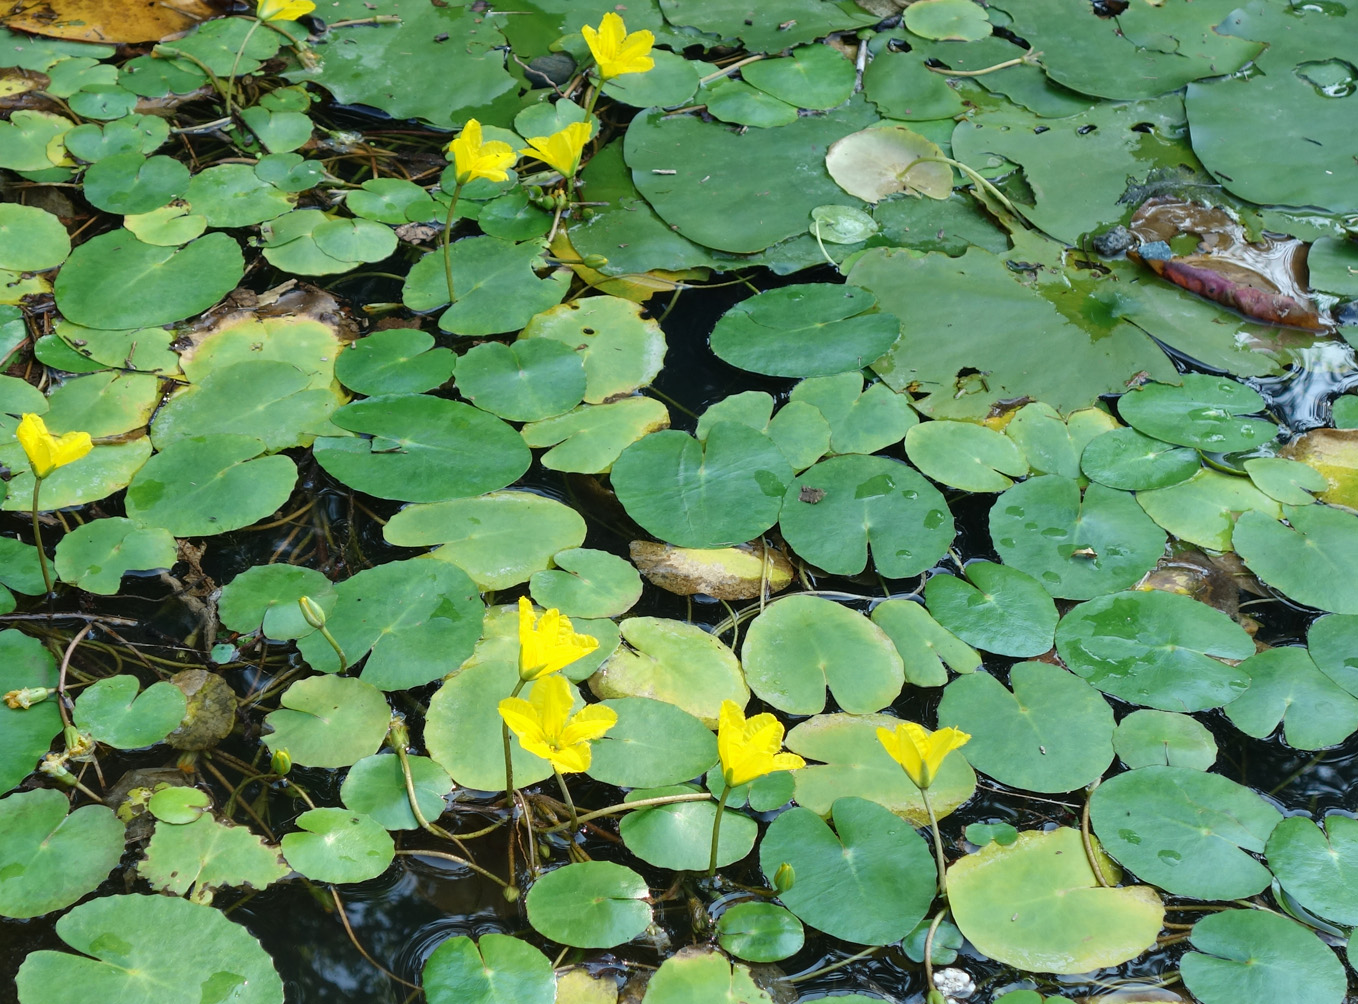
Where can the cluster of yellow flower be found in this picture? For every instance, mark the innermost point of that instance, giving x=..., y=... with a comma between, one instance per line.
x=615, y=52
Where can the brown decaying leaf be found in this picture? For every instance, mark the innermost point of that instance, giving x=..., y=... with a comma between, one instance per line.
x=109, y=20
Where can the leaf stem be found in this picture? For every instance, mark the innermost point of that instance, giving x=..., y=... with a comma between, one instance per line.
x=640, y=803
x=570, y=804
x=716, y=830
x=37, y=537
x=976, y=179
x=448, y=271
x=1029, y=58
x=235, y=65
x=938, y=844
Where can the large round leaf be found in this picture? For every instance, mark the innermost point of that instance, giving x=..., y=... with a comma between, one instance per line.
x=1076, y=545
x=1036, y=905
x=924, y=644
x=1145, y=738
x=395, y=361
x=1126, y=459
x=1332, y=641
x=965, y=455
x=114, y=712
x=167, y=284
x=33, y=239
x=25, y=733
x=652, y=743
x=376, y=787
x=725, y=491
x=860, y=421
x=678, y=836
x=1001, y=609
x=587, y=583
x=869, y=880
x=622, y=351
x=801, y=331
x=1312, y=558
x=760, y=932
x=125, y=957
x=590, y=438
x=839, y=508
x=423, y=449
x=1287, y=687
x=1255, y=955
x=1203, y=411
x=336, y=845
x=328, y=721
x=1185, y=830
x=524, y=382
x=49, y=859
x=96, y=556
x=264, y=598
x=802, y=644
x=496, y=970
x=1162, y=650
x=701, y=974
x=591, y=904
x=205, y=855
x=1053, y=733
x=206, y=485
x=1318, y=868
x=1203, y=510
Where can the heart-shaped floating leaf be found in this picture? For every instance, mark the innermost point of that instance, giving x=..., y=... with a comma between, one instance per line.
x=591, y=904
x=527, y=381
x=1185, y=830
x=329, y=721
x=1127, y=460
x=837, y=509
x=1313, y=557
x=49, y=859
x=423, y=449
x=123, y=944
x=701, y=974
x=869, y=880
x=1319, y=869
x=396, y=361
x=879, y=161
x=1053, y=733
x=861, y=421
x=1036, y=905
x=496, y=286
x=588, y=583
x=1001, y=609
x=1203, y=510
x=1053, y=445
x=802, y=644
x=725, y=491
x=265, y=597
x=1077, y=545
x=497, y=968
x=1254, y=955
x=678, y=836
x=336, y=845
x=653, y=743
x=1203, y=412
x=95, y=556
x=1162, y=650
x=25, y=733
x=1332, y=641
x=205, y=855
x=1289, y=481
x=853, y=761
x=1287, y=687
x=1145, y=738
x=622, y=351
x=376, y=787
x=924, y=644
x=965, y=455
x=589, y=439
x=760, y=932
x=113, y=712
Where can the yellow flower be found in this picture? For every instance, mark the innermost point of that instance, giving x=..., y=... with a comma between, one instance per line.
x=617, y=52
x=560, y=150
x=47, y=452
x=548, y=643
x=473, y=158
x=749, y=748
x=283, y=10
x=919, y=751
x=546, y=727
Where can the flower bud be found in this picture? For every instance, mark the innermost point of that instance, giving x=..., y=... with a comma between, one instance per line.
x=784, y=877
x=280, y=763
x=594, y=261
x=311, y=612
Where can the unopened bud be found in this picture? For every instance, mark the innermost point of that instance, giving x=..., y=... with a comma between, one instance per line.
x=280, y=763
x=311, y=612
x=784, y=877
x=595, y=261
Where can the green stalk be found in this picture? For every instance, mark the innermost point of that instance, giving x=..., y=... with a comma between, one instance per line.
x=235, y=65
x=716, y=830
x=448, y=271
x=37, y=537
x=938, y=844
x=504, y=734
x=566, y=794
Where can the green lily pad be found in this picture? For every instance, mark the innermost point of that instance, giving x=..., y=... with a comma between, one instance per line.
x=1189, y=832
x=205, y=485
x=801, y=645
x=1332, y=641
x=25, y=733
x=496, y=287
x=703, y=974
x=414, y=620
x=328, y=721
x=1286, y=687
x=760, y=932
x=142, y=134
x=740, y=104
x=1053, y=445
x=653, y=743
x=587, y=583
x=590, y=904
x=1203, y=510
x=678, y=836
x=1053, y=733
x=232, y=195
x=423, y=449
x=132, y=183
x=1332, y=265
x=98, y=554
x=99, y=474
x=1318, y=868
x=670, y=83
x=869, y=880
x=814, y=329
x=122, y=941
x=1203, y=412
x=264, y=598
x=1164, y=738
x=103, y=404
x=336, y=845
x=900, y=84
x=810, y=76
x=622, y=350
x=924, y=644
x=1156, y=649
x=376, y=787
x=964, y=455
x=1036, y=905
x=1127, y=460
x=498, y=539
x=49, y=858
x=861, y=421
x=114, y=712
x=178, y=805
x=957, y=20
x=674, y=662
x=589, y=439
x=278, y=131
x=396, y=361
x=28, y=136
x=863, y=502
x=499, y=643
x=387, y=200
x=885, y=159
x=853, y=761
x=32, y=239
x=1257, y=955
x=997, y=608
x=1310, y=558
x=494, y=969
x=206, y=855
x=524, y=382
x=1077, y=546
x=725, y=491
x=1288, y=481
x=290, y=243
